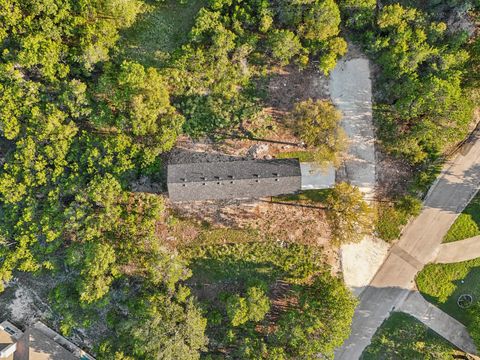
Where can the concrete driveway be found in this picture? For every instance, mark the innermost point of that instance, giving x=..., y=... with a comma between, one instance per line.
x=351, y=91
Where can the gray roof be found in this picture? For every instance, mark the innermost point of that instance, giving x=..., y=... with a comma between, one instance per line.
x=233, y=179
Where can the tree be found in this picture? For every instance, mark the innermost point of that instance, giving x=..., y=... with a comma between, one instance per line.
x=98, y=272
x=317, y=25
x=318, y=125
x=136, y=101
x=284, y=45
x=258, y=304
x=321, y=321
x=48, y=50
x=237, y=310
x=161, y=328
x=359, y=14
x=321, y=21
x=253, y=307
x=425, y=110
x=349, y=215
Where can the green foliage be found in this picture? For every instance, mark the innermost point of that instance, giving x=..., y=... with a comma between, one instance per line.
x=212, y=114
x=403, y=337
x=423, y=108
x=441, y=81
x=359, y=14
x=46, y=38
x=467, y=224
x=474, y=328
x=253, y=307
x=391, y=219
x=296, y=261
x=314, y=320
x=349, y=215
x=258, y=303
x=135, y=101
x=315, y=196
x=302, y=155
x=237, y=310
x=73, y=140
x=302, y=330
x=284, y=45
x=442, y=284
x=160, y=30
x=160, y=327
x=230, y=44
x=97, y=273
x=317, y=25
x=318, y=125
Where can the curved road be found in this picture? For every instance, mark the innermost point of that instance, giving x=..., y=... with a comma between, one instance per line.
x=418, y=245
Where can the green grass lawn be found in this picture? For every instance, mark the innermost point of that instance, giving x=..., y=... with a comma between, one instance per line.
x=302, y=155
x=442, y=284
x=467, y=224
x=404, y=337
x=160, y=30
x=305, y=195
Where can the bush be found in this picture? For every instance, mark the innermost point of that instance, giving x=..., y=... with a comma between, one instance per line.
x=392, y=218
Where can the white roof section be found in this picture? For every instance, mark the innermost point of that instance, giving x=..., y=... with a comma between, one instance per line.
x=315, y=176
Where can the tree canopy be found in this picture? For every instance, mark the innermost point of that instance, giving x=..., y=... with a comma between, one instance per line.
x=349, y=215
x=423, y=107
x=318, y=125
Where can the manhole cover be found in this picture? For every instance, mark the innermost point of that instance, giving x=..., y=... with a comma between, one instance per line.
x=465, y=301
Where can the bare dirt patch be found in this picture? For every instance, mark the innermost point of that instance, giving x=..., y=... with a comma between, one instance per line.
x=393, y=176
x=291, y=223
x=290, y=85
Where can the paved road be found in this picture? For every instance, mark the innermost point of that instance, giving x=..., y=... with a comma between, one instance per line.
x=418, y=245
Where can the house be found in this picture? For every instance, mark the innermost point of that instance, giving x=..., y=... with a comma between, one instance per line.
x=243, y=179
x=37, y=342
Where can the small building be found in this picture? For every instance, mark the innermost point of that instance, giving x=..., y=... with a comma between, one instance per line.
x=37, y=342
x=240, y=179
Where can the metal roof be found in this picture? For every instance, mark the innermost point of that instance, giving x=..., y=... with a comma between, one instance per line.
x=233, y=179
